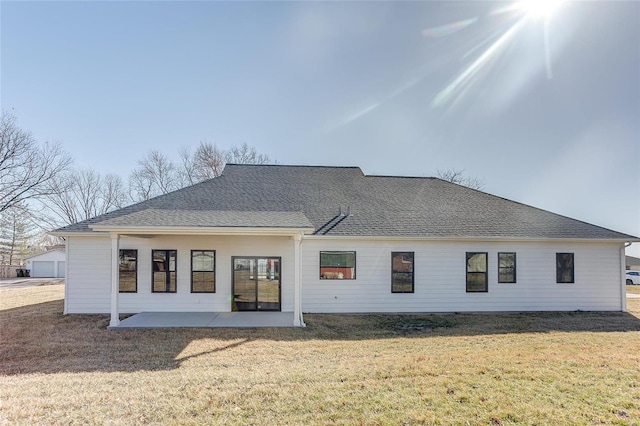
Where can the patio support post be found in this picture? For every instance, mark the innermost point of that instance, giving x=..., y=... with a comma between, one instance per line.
x=115, y=280
x=297, y=285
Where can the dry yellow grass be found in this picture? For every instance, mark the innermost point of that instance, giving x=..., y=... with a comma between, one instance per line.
x=556, y=368
x=633, y=289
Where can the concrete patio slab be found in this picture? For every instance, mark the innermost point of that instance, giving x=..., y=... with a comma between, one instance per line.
x=254, y=319
x=206, y=320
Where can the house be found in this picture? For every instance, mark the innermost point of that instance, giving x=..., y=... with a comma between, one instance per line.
x=332, y=239
x=633, y=263
x=47, y=264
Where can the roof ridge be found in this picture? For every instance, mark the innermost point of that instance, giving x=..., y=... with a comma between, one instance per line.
x=401, y=177
x=293, y=165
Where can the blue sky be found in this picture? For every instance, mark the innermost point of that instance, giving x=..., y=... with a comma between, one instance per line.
x=550, y=118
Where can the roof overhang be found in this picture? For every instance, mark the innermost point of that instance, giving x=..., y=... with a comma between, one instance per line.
x=469, y=238
x=198, y=230
x=206, y=222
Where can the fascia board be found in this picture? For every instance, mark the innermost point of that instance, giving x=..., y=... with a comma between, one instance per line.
x=183, y=230
x=469, y=239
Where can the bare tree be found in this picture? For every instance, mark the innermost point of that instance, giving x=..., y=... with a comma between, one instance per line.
x=80, y=195
x=140, y=188
x=114, y=194
x=208, y=160
x=155, y=175
x=458, y=177
x=26, y=169
x=245, y=154
x=187, y=168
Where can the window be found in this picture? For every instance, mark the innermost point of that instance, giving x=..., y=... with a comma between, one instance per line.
x=506, y=267
x=164, y=271
x=203, y=276
x=128, y=271
x=402, y=272
x=476, y=272
x=337, y=265
x=564, y=268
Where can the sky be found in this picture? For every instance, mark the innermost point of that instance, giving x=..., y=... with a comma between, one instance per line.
x=545, y=110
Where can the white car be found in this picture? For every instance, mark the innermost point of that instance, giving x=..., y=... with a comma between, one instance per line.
x=633, y=277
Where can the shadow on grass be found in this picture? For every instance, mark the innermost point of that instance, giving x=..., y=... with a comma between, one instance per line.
x=39, y=339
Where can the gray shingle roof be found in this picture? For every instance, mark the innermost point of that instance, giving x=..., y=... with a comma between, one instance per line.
x=208, y=218
x=379, y=206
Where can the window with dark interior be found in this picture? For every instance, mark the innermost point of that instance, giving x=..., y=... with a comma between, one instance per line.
x=164, y=271
x=477, y=272
x=402, y=272
x=564, y=268
x=203, y=275
x=128, y=271
x=506, y=267
x=337, y=265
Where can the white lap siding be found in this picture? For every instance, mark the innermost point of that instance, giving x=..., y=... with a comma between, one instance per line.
x=89, y=280
x=88, y=283
x=440, y=278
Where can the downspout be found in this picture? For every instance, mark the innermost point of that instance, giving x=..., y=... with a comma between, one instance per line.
x=298, y=320
x=65, y=309
x=623, y=277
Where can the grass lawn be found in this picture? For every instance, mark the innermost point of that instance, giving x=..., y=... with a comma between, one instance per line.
x=556, y=368
x=633, y=289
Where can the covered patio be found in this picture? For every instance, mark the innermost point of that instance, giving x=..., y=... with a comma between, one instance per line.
x=206, y=320
x=280, y=234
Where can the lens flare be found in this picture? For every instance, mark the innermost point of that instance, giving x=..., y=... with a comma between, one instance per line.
x=540, y=8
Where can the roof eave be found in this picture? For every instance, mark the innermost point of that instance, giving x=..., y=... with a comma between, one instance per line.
x=471, y=238
x=200, y=230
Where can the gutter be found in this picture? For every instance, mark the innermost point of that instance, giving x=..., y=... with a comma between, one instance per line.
x=626, y=239
x=200, y=230
x=65, y=309
x=623, y=277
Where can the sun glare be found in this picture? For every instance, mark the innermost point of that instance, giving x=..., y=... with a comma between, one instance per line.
x=540, y=8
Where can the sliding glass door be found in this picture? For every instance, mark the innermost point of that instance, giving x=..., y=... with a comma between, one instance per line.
x=256, y=283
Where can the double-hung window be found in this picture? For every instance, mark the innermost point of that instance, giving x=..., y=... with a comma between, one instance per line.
x=506, y=267
x=203, y=271
x=402, y=271
x=164, y=271
x=128, y=271
x=477, y=272
x=564, y=268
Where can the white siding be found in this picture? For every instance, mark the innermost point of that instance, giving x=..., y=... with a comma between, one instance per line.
x=89, y=280
x=440, y=284
x=440, y=280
